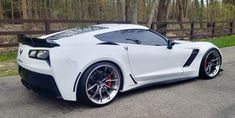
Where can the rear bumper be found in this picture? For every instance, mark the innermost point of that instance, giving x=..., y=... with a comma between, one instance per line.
x=40, y=83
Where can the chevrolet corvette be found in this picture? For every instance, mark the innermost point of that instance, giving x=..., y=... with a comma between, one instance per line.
x=94, y=63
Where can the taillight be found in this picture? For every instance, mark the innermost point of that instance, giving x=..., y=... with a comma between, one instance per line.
x=39, y=54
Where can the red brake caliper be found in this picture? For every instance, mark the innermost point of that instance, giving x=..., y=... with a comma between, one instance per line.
x=109, y=83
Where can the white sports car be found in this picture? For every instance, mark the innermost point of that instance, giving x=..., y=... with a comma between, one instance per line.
x=94, y=63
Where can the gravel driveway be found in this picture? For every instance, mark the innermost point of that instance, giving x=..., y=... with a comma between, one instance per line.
x=188, y=99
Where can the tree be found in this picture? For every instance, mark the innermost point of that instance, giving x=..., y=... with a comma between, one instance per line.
x=29, y=10
x=1, y=10
x=123, y=9
x=24, y=9
x=162, y=15
x=228, y=2
x=182, y=11
x=134, y=11
x=151, y=15
x=12, y=9
x=127, y=10
x=201, y=14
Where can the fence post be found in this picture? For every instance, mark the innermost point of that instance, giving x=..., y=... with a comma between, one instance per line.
x=213, y=29
x=192, y=31
x=97, y=22
x=165, y=25
x=47, y=27
x=231, y=28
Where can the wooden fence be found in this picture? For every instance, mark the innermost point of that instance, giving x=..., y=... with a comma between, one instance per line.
x=189, y=30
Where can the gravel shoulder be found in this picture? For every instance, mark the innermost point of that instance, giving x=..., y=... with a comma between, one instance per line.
x=192, y=98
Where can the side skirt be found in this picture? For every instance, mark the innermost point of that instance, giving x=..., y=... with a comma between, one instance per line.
x=160, y=83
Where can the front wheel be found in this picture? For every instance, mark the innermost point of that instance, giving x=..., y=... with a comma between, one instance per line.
x=211, y=64
x=99, y=84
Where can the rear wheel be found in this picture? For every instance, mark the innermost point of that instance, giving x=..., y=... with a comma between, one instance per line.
x=99, y=84
x=211, y=64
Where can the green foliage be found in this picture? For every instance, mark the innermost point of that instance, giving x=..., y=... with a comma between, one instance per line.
x=221, y=12
x=113, y=9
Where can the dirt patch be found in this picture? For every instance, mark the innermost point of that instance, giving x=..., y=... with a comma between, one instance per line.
x=8, y=68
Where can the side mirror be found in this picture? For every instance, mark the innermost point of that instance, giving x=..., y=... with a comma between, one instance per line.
x=170, y=44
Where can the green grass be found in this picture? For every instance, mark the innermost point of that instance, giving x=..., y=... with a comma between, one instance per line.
x=8, y=57
x=8, y=65
x=222, y=41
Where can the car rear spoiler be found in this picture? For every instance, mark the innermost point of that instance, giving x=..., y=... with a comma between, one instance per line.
x=35, y=42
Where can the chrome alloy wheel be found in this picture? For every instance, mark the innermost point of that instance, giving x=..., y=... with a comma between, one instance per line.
x=102, y=84
x=212, y=63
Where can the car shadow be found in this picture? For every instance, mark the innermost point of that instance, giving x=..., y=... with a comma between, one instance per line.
x=154, y=87
x=68, y=106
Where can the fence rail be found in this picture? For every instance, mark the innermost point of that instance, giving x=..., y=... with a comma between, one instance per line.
x=190, y=32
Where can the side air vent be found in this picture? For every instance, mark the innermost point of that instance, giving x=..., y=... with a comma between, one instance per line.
x=133, y=79
x=191, y=58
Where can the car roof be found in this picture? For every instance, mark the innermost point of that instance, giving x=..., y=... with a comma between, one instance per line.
x=103, y=29
x=122, y=26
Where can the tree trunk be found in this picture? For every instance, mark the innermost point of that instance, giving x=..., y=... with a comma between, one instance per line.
x=174, y=9
x=134, y=11
x=197, y=7
x=151, y=15
x=201, y=14
x=29, y=10
x=12, y=9
x=85, y=9
x=162, y=15
x=45, y=9
x=127, y=9
x=1, y=10
x=24, y=9
x=181, y=13
x=185, y=8
x=123, y=10
x=25, y=14
x=35, y=9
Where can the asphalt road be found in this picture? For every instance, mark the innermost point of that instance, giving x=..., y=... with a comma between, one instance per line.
x=188, y=99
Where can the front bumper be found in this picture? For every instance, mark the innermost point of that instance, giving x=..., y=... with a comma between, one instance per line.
x=40, y=83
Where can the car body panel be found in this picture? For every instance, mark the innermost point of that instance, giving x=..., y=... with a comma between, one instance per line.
x=149, y=66
x=140, y=64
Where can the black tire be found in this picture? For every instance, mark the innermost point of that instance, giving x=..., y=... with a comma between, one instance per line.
x=83, y=91
x=203, y=71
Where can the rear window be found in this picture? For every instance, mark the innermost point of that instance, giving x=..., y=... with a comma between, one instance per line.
x=75, y=31
x=115, y=36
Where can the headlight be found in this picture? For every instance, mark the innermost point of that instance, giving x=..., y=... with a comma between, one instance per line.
x=39, y=54
x=42, y=54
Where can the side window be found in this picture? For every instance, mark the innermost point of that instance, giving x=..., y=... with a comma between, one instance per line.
x=115, y=36
x=143, y=37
